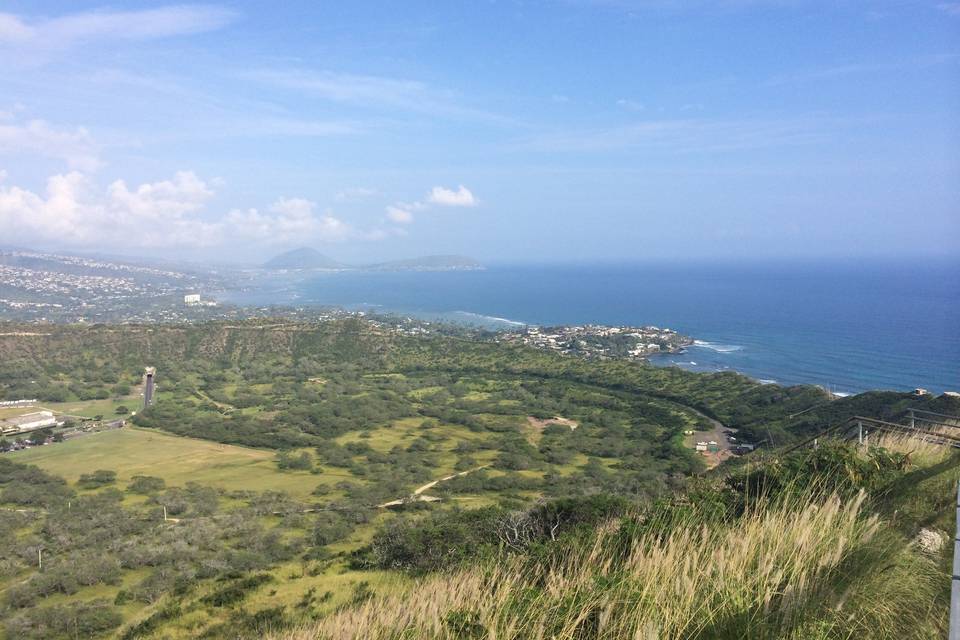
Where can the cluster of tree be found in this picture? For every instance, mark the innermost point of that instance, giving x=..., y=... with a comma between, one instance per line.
x=64, y=622
x=97, y=479
x=445, y=539
x=27, y=485
x=96, y=537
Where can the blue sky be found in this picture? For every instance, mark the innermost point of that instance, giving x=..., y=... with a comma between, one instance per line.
x=578, y=130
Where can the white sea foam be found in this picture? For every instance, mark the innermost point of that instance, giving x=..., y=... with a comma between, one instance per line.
x=721, y=348
x=516, y=323
x=766, y=381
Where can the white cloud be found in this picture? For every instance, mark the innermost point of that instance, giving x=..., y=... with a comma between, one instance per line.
x=444, y=197
x=168, y=213
x=185, y=193
x=147, y=24
x=72, y=212
x=74, y=146
x=399, y=215
x=372, y=92
x=630, y=105
x=680, y=136
x=402, y=212
x=951, y=8
x=13, y=30
x=354, y=194
x=288, y=220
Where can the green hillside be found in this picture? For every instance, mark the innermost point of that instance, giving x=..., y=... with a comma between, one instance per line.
x=330, y=473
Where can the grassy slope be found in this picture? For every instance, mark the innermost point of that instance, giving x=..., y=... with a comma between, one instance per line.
x=802, y=567
x=178, y=460
x=734, y=399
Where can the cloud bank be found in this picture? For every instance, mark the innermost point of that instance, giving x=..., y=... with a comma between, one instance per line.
x=164, y=214
x=75, y=146
x=147, y=24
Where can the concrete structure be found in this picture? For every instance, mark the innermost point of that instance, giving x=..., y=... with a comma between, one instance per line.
x=148, y=384
x=28, y=422
x=191, y=299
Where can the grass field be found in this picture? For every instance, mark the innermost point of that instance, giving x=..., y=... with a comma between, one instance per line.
x=178, y=460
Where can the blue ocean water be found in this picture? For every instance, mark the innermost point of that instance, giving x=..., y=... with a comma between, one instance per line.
x=849, y=327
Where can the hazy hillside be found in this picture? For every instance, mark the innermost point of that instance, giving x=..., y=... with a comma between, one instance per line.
x=306, y=258
x=303, y=258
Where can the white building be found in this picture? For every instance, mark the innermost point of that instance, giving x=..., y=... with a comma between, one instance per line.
x=191, y=299
x=28, y=422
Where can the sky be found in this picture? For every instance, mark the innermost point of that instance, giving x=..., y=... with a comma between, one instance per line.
x=577, y=130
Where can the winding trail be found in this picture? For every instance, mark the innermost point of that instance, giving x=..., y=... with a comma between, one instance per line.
x=417, y=494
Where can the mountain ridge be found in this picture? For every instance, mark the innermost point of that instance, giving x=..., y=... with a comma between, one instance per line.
x=308, y=258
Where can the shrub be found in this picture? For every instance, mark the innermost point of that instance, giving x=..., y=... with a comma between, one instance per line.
x=97, y=479
x=146, y=485
x=68, y=621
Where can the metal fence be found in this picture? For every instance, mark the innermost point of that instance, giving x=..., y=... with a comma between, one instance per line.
x=955, y=587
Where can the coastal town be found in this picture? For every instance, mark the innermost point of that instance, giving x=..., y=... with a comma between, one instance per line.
x=599, y=341
x=47, y=287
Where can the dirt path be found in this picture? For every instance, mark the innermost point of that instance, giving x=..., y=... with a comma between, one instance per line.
x=220, y=405
x=417, y=494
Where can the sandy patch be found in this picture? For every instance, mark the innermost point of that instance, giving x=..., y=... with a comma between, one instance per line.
x=540, y=425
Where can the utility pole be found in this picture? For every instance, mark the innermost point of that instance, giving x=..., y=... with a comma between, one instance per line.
x=40, y=558
x=164, y=513
x=859, y=432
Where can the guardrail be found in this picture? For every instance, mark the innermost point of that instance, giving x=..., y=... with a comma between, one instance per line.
x=955, y=586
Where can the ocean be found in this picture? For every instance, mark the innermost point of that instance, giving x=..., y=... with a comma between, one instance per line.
x=849, y=327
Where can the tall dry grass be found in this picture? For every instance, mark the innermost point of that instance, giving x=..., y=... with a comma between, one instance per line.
x=758, y=576
x=922, y=452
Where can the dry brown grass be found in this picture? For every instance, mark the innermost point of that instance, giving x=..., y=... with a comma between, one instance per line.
x=759, y=573
x=922, y=452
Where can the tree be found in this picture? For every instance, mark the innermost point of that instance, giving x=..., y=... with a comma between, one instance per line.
x=40, y=436
x=122, y=410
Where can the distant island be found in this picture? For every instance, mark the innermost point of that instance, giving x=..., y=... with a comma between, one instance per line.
x=306, y=258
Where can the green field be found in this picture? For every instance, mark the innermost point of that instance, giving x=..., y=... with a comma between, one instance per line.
x=133, y=451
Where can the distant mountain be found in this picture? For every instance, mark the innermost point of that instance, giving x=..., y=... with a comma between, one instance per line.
x=306, y=258
x=303, y=258
x=428, y=263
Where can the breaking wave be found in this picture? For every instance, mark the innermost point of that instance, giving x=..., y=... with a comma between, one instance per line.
x=721, y=348
x=515, y=323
